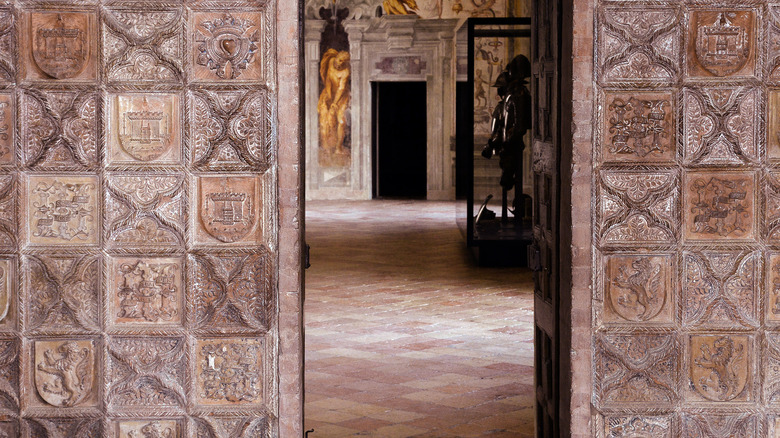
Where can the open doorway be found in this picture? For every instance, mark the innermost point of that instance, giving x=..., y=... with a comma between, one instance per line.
x=399, y=152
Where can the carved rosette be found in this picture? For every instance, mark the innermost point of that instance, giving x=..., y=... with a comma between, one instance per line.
x=230, y=129
x=722, y=42
x=636, y=370
x=720, y=367
x=59, y=130
x=146, y=373
x=637, y=207
x=65, y=374
x=146, y=210
x=230, y=371
x=232, y=291
x=720, y=127
x=639, y=288
x=719, y=206
x=639, y=44
x=143, y=45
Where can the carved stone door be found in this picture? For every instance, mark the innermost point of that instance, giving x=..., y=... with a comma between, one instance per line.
x=545, y=168
x=139, y=249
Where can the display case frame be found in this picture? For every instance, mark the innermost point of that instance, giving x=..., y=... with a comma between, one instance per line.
x=503, y=242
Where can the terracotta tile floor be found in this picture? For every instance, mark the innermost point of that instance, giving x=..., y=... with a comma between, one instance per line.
x=404, y=336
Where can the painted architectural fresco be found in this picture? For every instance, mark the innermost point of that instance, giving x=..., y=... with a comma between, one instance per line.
x=687, y=211
x=425, y=9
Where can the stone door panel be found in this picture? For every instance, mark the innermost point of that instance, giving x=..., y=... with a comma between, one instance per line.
x=687, y=201
x=138, y=231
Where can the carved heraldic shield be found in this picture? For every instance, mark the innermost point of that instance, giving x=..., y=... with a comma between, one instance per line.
x=60, y=46
x=145, y=130
x=722, y=48
x=228, y=207
x=64, y=372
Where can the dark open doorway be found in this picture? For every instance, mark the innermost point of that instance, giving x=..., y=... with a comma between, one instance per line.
x=399, y=140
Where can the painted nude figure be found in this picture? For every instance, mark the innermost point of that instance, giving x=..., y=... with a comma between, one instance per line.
x=334, y=101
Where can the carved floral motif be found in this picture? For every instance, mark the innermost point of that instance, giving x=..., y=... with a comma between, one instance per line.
x=149, y=429
x=231, y=290
x=9, y=378
x=227, y=45
x=145, y=210
x=719, y=206
x=65, y=372
x=218, y=426
x=636, y=369
x=146, y=372
x=638, y=206
x=65, y=427
x=8, y=199
x=721, y=42
x=709, y=424
x=143, y=45
x=61, y=293
x=639, y=44
x=146, y=290
x=719, y=126
x=230, y=371
x=7, y=44
x=638, y=288
x=720, y=289
x=59, y=130
x=230, y=130
x=639, y=127
x=640, y=426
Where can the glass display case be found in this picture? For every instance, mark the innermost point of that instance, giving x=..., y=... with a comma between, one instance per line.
x=495, y=215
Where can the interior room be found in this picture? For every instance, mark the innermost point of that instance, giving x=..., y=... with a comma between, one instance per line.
x=418, y=321
x=163, y=165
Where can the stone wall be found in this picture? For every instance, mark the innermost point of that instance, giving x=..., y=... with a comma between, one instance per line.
x=150, y=219
x=685, y=198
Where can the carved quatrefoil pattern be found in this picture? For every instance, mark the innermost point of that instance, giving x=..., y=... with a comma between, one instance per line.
x=137, y=219
x=686, y=219
x=144, y=46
